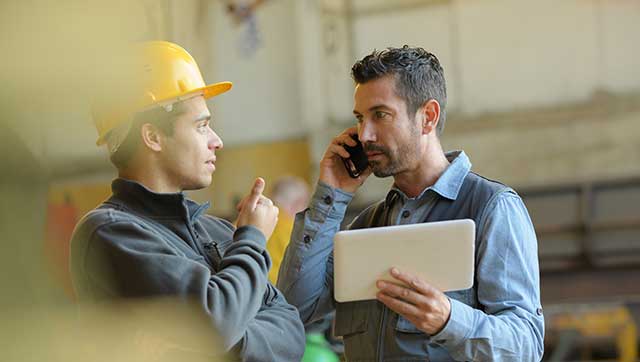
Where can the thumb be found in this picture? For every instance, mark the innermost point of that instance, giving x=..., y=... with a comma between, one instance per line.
x=256, y=192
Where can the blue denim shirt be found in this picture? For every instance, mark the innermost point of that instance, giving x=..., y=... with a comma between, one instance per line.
x=498, y=319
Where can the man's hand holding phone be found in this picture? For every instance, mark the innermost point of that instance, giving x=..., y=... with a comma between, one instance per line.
x=333, y=169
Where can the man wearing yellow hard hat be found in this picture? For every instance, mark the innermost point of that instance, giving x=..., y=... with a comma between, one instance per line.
x=149, y=240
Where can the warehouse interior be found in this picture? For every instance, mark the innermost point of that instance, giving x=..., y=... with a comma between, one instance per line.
x=542, y=95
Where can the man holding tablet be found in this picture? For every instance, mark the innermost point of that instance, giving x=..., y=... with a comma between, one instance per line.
x=399, y=104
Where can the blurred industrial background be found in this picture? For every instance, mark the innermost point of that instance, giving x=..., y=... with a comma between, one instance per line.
x=543, y=95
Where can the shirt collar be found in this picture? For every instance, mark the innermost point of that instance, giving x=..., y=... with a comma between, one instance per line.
x=448, y=184
x=140, y=199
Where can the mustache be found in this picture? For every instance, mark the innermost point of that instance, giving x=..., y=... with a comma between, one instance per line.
x=375, y=148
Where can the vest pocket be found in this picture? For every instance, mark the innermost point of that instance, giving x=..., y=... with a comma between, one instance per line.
x=352, y=324
x=351, y=319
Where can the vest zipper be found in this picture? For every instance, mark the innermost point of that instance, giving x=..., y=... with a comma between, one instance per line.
x=383, y=322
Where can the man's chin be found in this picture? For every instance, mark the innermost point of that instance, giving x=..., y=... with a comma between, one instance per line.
x=198, y=185
x=380, y=172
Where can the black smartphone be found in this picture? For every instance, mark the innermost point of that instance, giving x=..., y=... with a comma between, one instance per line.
x=358, y=161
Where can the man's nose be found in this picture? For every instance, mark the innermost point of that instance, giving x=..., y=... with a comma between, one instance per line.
x=215, y=142
x=366, y=132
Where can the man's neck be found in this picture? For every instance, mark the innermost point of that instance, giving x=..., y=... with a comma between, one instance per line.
x=149, y=178
x=430, y=167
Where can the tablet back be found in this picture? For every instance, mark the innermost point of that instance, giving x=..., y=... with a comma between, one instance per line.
x=440, y=252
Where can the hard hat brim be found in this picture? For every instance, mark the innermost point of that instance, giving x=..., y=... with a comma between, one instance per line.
x=208, y=91
x=215, y=89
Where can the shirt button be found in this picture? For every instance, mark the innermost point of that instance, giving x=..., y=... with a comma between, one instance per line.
x=406, y=213
x=539, y=311
x=328, y=200
x=306, y=238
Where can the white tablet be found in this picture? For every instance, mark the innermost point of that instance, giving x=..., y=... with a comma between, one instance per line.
x=440, y=252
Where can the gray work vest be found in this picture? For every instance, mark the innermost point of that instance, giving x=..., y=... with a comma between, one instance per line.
x=372, y=332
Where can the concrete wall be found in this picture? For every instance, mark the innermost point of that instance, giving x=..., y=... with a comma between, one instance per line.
x=264, y=104
x=501, y=55
x=589, y=141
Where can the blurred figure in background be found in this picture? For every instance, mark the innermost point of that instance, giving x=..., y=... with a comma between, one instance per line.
x=149, y=240
x=291, y=195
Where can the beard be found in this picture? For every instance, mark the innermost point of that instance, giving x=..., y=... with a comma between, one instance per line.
x=380, y=168
x=394, y=161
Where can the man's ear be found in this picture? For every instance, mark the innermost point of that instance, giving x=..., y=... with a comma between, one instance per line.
x=152, y=138
x=430, y=114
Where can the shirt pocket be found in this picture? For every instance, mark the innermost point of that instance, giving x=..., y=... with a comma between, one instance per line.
x=405, y=326
x=406, y=341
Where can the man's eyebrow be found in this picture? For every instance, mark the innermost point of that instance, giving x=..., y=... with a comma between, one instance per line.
x=378, y=106
x=203, y=117
x=373, y=108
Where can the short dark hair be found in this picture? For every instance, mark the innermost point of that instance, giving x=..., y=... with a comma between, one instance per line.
x=157, y=116
x=418, y=74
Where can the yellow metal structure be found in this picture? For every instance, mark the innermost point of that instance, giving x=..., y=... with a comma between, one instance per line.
x=603, y=323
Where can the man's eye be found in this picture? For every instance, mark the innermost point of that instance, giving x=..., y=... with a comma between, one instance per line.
x=380, y=115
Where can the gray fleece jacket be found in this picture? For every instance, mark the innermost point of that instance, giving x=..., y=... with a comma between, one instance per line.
x=143, y=244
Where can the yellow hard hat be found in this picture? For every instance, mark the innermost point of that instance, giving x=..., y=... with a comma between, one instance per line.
x=164, y=73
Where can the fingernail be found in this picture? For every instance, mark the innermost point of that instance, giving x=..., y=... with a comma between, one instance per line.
x=381, y=284
x=394, y=271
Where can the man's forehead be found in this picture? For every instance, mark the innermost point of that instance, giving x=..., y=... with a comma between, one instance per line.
x=193, y=107
x=374, y=94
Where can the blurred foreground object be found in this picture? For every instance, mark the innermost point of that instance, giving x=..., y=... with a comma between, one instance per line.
x=145, y=330
x=55, y=53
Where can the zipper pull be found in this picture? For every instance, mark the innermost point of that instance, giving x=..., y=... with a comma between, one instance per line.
x=213, y=245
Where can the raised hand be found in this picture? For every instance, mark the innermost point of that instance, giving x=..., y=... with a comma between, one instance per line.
x=257, y=210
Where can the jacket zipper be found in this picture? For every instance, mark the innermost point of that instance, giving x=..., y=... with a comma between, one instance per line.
x=196, y=241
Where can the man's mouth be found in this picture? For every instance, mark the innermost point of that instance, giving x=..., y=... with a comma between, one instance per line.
x=374, y=151
x=211, y=163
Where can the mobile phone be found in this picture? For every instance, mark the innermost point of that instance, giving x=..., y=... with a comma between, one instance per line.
x=357, y=162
